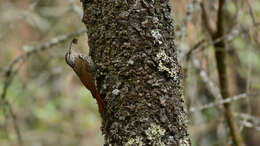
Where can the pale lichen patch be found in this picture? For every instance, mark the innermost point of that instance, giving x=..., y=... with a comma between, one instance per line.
x=184, y=142
x=134, y=141
x=155, y=134
x=157, y=35
x=116, y=92
x=164, y=60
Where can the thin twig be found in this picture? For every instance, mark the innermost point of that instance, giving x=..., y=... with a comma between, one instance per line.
x=49, y=44
x=209, y=83
x=205, y=18
x=251, y=12
x=10, y=73
x=16, y=127
x=249, y=58
x=5, y=104
x=75, y=8
x=219, y=102
x=28, y=11
x=249, y=121
x=230, y=36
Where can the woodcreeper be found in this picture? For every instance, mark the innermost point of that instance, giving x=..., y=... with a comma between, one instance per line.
x=85, y=70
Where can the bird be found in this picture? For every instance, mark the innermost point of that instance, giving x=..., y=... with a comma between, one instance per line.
x=84, y=68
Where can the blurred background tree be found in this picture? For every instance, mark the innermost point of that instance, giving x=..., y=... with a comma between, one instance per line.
x=43, y=103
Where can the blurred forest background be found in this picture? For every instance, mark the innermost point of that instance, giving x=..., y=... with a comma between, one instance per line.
x=42, y=102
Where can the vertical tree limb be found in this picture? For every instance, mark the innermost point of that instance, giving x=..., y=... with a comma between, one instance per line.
x=138, y=75
x=220, y=54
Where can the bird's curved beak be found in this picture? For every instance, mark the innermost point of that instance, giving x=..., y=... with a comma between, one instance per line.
x=68, y=57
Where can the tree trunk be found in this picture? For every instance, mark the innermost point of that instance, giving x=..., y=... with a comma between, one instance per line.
x=138, y=75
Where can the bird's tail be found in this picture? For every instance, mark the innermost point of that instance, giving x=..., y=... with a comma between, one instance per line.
x=99, y=100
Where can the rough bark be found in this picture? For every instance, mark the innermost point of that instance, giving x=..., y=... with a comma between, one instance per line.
x=138, y=75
